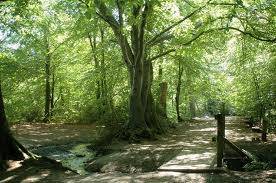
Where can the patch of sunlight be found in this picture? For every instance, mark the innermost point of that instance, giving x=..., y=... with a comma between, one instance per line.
x=169, y=173
x=195, y=177
x=45, y=133
x=201, y=141
x=34, y=140
x=33, y=179
x=119, y=178
x=205, y=118
x=15, y=164
x=56, y=156
x=143, y=148
x=9, y=179
x=187, y=167
x=193, y=157
x=102, y=126
x=204, y=130
x=187, y=144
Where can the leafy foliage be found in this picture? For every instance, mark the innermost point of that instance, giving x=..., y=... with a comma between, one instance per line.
x=226, y=49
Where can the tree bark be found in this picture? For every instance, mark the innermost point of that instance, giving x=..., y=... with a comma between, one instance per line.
x=100, y=70
x=163, y=98
x=260, y=107
x=151, y=115
x=8, y=146
x=178, y=90
x=137, y=124
x=47, y=83
x=103, y=86
x=93, y=44
x=264, y=123
x=142, y=114
x=52, y=104
x=192, y=106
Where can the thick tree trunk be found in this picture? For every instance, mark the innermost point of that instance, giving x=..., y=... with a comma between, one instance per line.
x=146, y=83
x=142, y=113
x=8, y=145
x=151, y=115
x=137, y=124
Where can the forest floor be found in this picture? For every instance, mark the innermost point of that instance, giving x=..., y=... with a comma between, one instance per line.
x=189, y=145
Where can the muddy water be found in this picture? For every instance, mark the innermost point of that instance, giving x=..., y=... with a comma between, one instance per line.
x=73, y=156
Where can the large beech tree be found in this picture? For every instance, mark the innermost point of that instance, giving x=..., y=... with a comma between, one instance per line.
x=129, y=21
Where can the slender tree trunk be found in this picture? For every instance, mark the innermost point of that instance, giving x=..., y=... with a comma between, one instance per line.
x=47, y=84
x=8, y=147
x=162, y=92
x=261, y=107
x=100, y=70
x=178, y=90
x=163, y=98
x=52, y=94
x=192, y=106
x=93, y=44
x=104, y=99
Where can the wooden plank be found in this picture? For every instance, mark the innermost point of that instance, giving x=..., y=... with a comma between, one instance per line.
x=237, y=149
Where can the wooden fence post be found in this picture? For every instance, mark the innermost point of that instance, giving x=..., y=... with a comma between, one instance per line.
x=220, y=138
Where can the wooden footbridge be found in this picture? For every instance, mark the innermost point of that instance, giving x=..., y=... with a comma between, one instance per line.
x=205, y=156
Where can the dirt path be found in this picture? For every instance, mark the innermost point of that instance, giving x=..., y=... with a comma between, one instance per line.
x=35, y=135
x=192, y=143
x=198, y=149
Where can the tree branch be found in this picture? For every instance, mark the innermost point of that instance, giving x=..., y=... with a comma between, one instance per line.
x=272, y=40
x=189, y=3
x=83, y=2
x=116, y=27
x=208, y=31
x=173, y=25
x=135, y=29
x=141, y=39
x=197, y=36
x=120, y=11
x=161, y=55
x=105, y=14
x=161, y=39
x=224, y=4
